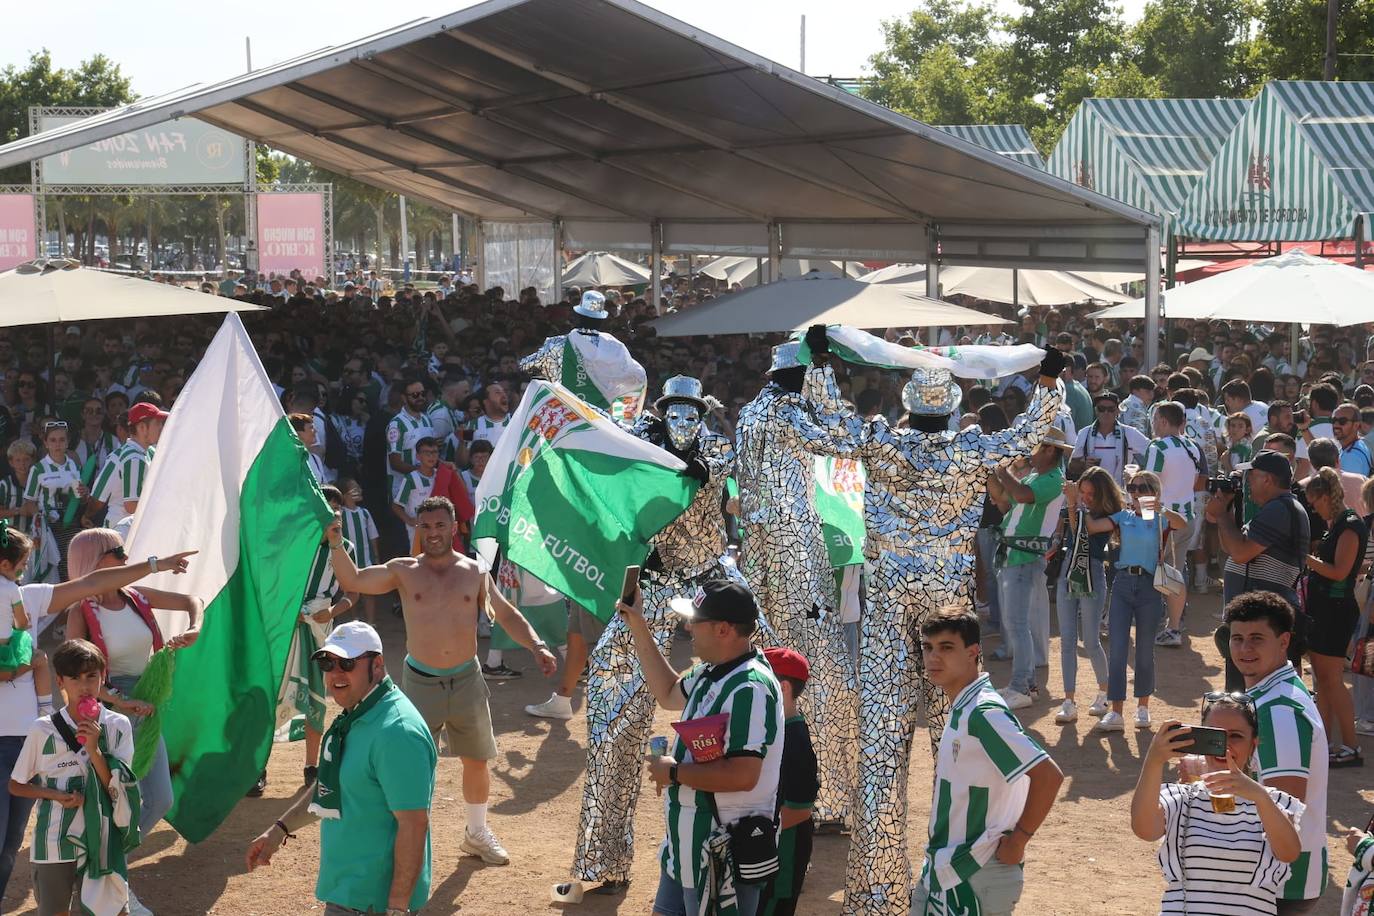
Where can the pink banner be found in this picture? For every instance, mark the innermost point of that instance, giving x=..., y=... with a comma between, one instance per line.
x=291, y=234
x=17, y=236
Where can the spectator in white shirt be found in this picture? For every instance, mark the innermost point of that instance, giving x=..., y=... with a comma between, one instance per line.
x=1106, y=443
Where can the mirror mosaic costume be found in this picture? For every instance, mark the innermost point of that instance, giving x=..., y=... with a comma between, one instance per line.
x=922, y=503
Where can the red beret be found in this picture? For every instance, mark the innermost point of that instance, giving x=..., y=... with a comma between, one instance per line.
x=788, y=663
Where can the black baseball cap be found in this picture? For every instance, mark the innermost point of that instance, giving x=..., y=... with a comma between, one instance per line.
x=1275, y=463
x=720, y=600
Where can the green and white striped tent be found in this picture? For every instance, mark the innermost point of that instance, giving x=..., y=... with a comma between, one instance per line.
x=1298, y=166
x=1146, y=152
x=1011, y=140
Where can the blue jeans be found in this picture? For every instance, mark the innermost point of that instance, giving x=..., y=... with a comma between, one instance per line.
x=1081, y=618
x=673, y=899
x=14, y=812
x=1134, y=601
x=1025, y=615
x=987, y=552
x=156, y=787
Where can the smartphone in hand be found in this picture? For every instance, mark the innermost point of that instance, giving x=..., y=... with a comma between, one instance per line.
x=630, y=587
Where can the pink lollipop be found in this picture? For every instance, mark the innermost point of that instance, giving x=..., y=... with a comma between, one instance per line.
x=88, y=709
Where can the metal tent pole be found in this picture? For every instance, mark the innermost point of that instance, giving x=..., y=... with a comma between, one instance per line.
x=558, y=260
x=1152, y=296
x=656, y=264
x=932, y=276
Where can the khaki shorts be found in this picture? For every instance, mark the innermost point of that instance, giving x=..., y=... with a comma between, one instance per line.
x=585, y=624
x=457, y=703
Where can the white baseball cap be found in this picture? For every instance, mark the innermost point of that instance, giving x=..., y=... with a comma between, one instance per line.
x=350, y=640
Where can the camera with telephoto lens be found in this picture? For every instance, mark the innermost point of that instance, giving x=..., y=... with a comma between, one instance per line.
x=1226, y=483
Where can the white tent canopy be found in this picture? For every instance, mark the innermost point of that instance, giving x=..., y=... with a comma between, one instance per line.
x=745, y=271
x=57, y=290
x=994, y=284
x=1293, y=287
x=817, y=298
x=599, y=268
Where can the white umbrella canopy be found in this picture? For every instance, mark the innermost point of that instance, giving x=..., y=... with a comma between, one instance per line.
x=743, y=271
x=1292, y=287
x=995, y=284
x=600, y=268
x=59, y=290
x=817, y=298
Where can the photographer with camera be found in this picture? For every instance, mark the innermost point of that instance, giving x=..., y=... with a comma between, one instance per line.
x=1267, y=553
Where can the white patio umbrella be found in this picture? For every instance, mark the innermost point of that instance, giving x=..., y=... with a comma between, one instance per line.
x=1292, y=287
x=1000, y=284
x=817, y=298
x=600, y=268
x=53, y=290
x=744, y=271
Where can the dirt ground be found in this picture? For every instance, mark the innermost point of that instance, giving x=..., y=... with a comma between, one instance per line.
x=1084, y=860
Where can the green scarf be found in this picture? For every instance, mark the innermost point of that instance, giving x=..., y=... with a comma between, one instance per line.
x=328, y=802
x=577, y=380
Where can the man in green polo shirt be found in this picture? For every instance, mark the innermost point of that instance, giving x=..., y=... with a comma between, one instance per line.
x=373, y=794
x=994, y=785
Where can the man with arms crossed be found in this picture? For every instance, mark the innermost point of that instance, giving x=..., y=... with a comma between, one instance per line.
x=993, y=784
x=442, y=594
x=1292, y=752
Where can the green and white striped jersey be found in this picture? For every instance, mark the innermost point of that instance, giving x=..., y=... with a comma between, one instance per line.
x=12, y=497
x=1292, y=742
x=359, y=528
x=130, y=474
x=402, y=433
x=747, y=690
x=1177, y=461
x=102, y=448
x=484, y=427
x=52, y=485
x=322, y=583
x=47, y=761
x=1032, y=525
x=980, y=785
x=445, y=420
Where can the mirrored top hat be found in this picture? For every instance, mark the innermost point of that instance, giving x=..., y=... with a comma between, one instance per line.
x=931, y=393
x=593, y=305
x=786, y=356
x=682, y=389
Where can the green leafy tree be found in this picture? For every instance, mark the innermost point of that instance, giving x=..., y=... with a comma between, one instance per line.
x=97, y=82
x=1292, y=39
x=1197, y=48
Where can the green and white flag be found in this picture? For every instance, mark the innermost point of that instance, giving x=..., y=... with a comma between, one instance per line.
x=573, y=499
x=856, y=346
x=231, y=481
x=840, y=502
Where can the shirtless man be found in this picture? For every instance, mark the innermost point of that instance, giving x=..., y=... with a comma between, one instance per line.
x=442, y=594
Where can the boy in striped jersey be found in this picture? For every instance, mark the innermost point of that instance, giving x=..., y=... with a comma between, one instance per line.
x=416, y=487
x=125, y=487
x=994, y=784
x=302, y=689
x=52, y=770
x=361, y=531
x=1182, y=472
x=1292, y=754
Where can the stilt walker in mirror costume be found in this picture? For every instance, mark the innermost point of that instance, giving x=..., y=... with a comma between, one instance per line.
x=591, y=363
x=620, y=708
x=785, y=558
x=922, y=501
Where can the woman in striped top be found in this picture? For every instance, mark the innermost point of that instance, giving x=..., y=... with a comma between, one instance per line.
x=1231, y=862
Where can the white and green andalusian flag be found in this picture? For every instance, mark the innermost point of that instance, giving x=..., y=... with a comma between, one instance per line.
x=840, y=502
x=855, y=346
x=230, y=480
x=573, y=499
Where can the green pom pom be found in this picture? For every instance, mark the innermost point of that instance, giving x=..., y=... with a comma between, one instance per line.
x=155, y=687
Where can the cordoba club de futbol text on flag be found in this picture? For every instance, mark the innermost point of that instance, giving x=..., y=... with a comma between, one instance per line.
x=573, y=499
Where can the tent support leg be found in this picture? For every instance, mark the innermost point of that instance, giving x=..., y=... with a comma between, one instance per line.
x=656, y=264
x=1359, y=242
x=774, y=252
x=479, y=253
x=558, y=260
x=932, y=276
x=1152, y=296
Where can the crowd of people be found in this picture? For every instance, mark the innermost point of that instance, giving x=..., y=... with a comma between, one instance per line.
x=1090, y=483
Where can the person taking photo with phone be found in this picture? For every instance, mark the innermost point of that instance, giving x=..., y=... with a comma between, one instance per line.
x=1229, y=841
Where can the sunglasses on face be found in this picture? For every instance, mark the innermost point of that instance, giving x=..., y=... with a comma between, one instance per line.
x=1106, y=408
x=328, y=663
x=26, y=383
x=116, y=552
x=1139, y=488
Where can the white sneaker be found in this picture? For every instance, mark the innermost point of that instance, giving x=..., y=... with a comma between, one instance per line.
x=567, y=892
x=555, y=707
x=485, y=846
x=1142, y=717
x=1170, y=637
x=1067, y=713
x=1015, y=699
x=1100, y=707
x=1112, y=722
x=136, y=907
x=1364, y=726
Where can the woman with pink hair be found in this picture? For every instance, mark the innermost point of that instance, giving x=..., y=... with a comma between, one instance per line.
x=120, y=622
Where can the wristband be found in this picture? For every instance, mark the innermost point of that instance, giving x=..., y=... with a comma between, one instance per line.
x=152, y=564
x=285, y=834
x=1019, y=829
x=672, y=775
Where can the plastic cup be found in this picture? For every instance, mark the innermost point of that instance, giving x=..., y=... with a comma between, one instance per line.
x=1148, y=505
x=1191, y=767
x=1130, y=470
x=658, y=746
x=1223, y=804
